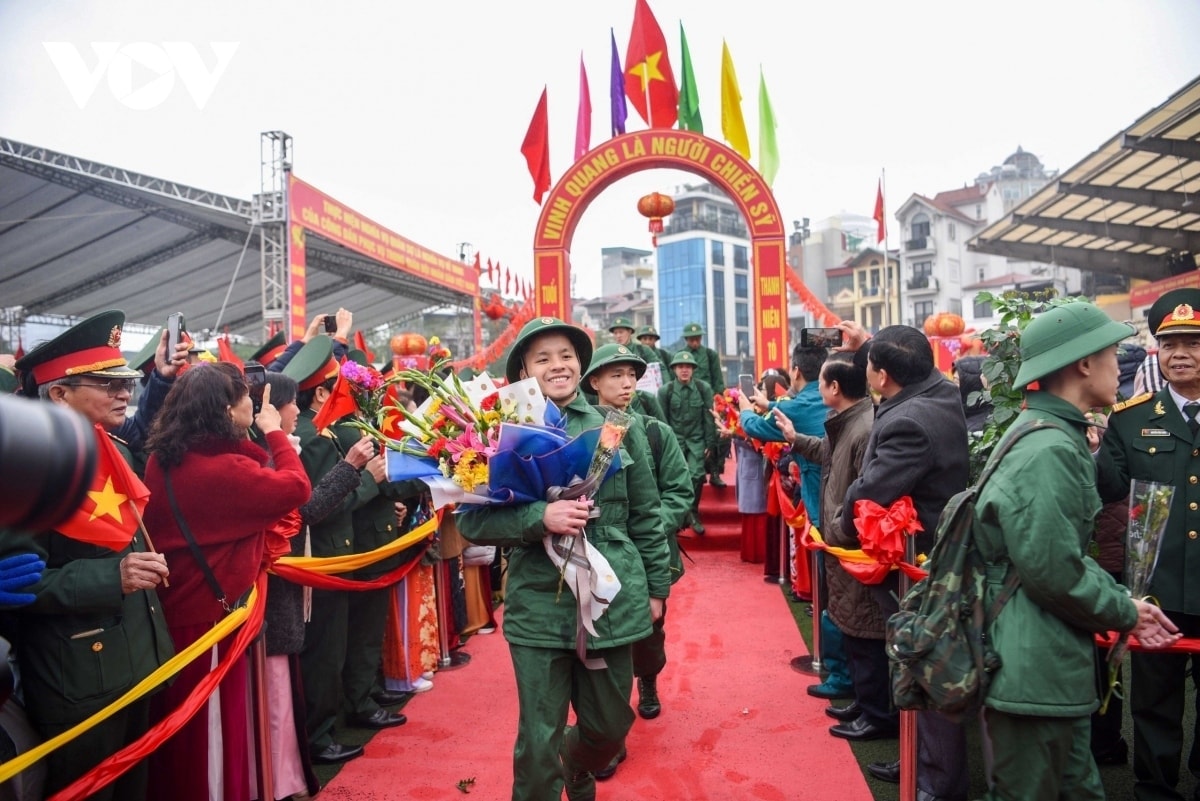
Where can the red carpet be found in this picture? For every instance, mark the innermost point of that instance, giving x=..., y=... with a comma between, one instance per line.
x=736, y=721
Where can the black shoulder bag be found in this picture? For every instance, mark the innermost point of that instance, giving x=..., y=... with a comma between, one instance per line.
x=194, y=546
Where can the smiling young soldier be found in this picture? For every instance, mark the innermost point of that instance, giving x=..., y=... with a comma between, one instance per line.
x=613, y=377
x=540, y=626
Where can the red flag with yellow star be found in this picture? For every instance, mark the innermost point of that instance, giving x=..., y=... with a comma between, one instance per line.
x=649, y=82
x=112, y=509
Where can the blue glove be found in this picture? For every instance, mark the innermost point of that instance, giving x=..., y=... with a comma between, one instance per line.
x=17, y=573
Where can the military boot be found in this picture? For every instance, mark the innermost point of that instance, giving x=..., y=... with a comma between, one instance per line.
x=581, y=786
x=648, y=705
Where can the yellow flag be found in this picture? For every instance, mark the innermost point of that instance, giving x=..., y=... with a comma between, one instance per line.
x=733, y=127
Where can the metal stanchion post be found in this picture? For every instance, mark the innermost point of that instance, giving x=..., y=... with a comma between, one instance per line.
x=908, y=718
x=811, y=664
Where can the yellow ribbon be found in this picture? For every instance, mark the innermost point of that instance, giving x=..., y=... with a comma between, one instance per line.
x=164, y=671
x=328, y=565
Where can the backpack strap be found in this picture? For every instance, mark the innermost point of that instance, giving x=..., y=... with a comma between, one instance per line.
x=1011, y=580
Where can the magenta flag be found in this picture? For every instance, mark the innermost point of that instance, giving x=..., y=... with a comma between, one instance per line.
x=583, y=120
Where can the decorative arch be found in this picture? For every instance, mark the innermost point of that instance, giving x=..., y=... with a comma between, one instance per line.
x=691, y=152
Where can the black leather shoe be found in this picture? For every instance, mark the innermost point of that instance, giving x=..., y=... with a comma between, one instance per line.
x=389, y=698
x=382, y=719
x=718, y=482
x=334, y=753
x=608, y=771
x=885, y=771
x=844, y=713
x=860, y=730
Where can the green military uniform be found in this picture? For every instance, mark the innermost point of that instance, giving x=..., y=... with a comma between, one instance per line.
x=648, y=332
x=646, y=403
x=326, y=637
x=541, y=626
x=686, y=408
x=83, y=643
x=676, y=493
x=646, y=354
x=1148, y=438
x=373, y=518
x=710, y=371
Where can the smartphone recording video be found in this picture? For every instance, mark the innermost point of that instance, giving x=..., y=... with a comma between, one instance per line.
x=176, y=328
x=746, y=385
x=256, y=380
x=820, y=337
x=330, y=324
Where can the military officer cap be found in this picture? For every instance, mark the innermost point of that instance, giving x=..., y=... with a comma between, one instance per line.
x=1063, y=335
x=621, y=322
x=546, y=325
x=648, y=331
x=270, y=350
x=693, y=330
x=358, y=357
x=615, y=354
x=144, y=360
x=313, y=364
x=1175, y=312
x=91, y=347
x=683, y=357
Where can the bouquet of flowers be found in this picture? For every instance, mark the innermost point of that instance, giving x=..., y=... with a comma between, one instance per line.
x=728, y=413
x=360, y=391
x=1149, y=509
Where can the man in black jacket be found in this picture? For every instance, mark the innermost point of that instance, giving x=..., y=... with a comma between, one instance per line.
x=918, y=448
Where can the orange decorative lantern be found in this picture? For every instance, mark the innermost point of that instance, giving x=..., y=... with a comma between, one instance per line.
x=408, y=344
x=944, y=324
x=495, y=307
x=655, y=206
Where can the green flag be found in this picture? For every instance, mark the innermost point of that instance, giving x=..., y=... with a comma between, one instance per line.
x=768, y=150
x=689, y=98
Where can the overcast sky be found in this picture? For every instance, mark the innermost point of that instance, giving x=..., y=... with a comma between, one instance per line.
x=413, y=113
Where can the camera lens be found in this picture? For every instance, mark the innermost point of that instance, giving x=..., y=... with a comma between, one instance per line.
x=47, y=460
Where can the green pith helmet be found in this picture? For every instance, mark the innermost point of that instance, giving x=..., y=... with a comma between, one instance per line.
x=546, y=325
x=1063, y=335
x=145, y=357
x=614, y=354
x=648, y=331
x=693, y=330
x=91, y=347
x=621, y=322
x=683, y=357
x=313, y=364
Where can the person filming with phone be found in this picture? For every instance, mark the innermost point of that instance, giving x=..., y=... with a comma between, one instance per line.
x=213, y=533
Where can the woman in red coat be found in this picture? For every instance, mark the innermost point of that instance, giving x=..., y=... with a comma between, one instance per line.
x=227, y=490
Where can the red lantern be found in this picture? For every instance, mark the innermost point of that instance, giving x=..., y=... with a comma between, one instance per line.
x=655, y=206
x=495, y=308
x=408, y=344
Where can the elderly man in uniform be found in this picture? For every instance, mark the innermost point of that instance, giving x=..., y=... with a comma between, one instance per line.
x=96, y=628
x=1155, y=437
x=709, y=370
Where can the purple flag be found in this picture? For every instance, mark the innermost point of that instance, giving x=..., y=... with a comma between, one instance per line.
x=616, y=90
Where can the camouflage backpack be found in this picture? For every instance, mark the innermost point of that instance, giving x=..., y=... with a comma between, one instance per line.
x=937, y=643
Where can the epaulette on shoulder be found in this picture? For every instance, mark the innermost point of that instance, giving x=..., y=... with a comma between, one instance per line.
x=115, y=438
x=1134, y=401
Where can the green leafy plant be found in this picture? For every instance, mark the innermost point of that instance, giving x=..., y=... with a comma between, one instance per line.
x=999, y=370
